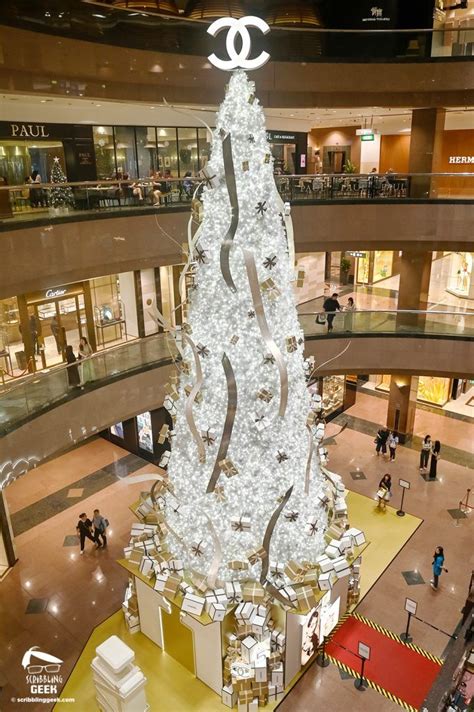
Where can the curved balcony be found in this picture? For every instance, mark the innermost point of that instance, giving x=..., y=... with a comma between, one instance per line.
x=109, y=230
x=402, y=342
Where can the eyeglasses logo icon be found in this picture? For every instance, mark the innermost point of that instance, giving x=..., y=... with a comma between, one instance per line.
x=238, y=28
x=51, y=664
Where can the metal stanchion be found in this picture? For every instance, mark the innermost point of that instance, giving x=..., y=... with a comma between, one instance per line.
x=364, y=654
x=321, y=659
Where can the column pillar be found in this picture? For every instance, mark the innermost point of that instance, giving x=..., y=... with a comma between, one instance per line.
x=415, y=272
x=402, y=405
x=427, y=127
x=7, y=545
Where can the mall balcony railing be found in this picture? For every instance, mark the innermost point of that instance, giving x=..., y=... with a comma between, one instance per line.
x=99, y=21
x=43, y=390
x=65, y=201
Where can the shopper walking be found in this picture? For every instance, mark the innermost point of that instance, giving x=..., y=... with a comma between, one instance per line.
x=84, y=531
x=331, y=306
x=435, y=455
x=393, y=441
x=86, y=367
x=381, y=440
x=73, y=377
x=100, y=527
x=56, y=332
x=438, y=567
x=425, y=452
x=384, y=492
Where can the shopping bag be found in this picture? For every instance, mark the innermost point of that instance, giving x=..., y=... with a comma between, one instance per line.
x=320, y=318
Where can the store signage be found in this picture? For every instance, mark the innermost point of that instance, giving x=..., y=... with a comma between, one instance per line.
x=29, y=130
x=238, y=29
x=51, y=293
x=376, y=15
x=364, y=651
x=461, y=159
x=404, y=483
x=411, y=606
x=281, y=137
x=361, y=255
x=368, y=137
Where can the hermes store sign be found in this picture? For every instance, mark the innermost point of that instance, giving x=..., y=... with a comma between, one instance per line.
x=461, y=159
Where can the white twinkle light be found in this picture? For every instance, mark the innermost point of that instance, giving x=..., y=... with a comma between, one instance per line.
x=216, y=315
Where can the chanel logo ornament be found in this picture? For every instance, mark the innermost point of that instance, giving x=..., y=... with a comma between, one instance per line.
x=238, y=58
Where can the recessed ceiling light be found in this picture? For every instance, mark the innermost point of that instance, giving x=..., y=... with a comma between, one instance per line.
x=98, y=104
x=43, y=101
x=101, y=17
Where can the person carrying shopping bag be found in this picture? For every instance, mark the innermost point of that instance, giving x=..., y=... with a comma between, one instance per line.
x=384, y=491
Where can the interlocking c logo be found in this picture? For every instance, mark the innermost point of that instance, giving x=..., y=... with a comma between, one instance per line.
x=238, y=27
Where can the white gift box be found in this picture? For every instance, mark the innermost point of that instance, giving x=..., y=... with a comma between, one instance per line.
x=193, y=604
x=245, y=611
x=228, y=696
x=263, y=611
x=242, y=523
x=325, y=564
x=127, y=551
x=185, y=587
x=346, y=544
x=248, y=649
x=160, y=582
x=340, y=507
x=253, y=706
x=165, y=458
x=150, y=529
x=276, y=567
x=146, y=565
x=217, y=611
x=258, y=624
x=233, y=592
x=341, y=567
x=278, y=638
x=277, y=675
x=272, y=692
x=176, y=566
x=357, y=536
x=325, y=581
x=261, y=671
x=137, y=529
x=288, y=592
x=221, y=596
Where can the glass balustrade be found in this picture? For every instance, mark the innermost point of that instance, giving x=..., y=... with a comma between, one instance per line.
x=21, y=203
x=45, y=389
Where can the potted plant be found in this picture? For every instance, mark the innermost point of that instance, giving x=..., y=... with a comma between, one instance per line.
x=349, y=167
x=345, y=266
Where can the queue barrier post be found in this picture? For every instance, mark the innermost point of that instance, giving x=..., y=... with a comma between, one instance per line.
x=322, y=660
x=359, y=683
x=406, y=637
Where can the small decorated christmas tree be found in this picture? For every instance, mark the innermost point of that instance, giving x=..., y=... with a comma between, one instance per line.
x=62, y=196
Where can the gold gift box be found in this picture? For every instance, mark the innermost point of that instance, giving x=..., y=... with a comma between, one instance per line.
x=294, y=570
x=291, y=344
x=255, y=554
x=253, y=592
x=305, y=598
x=172, y=585
x=228, y=467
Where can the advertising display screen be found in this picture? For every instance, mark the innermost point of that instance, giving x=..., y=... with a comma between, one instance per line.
x=117, y=430
x=145, y=438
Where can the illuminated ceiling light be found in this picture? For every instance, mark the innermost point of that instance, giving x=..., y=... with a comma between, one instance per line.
x=214, y=9
x=164, y=7
x=284, y=13
x=157, y=68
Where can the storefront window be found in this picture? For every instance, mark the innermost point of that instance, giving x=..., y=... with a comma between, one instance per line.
x=10, y=337
x=144, y=431
x=187, y=151
x=333, y=394
x=168, y=151
x=434, y=390
x=460, y=272
x=146, y=151
x=362, y=270
x=18, y=159
x=108, y=317
x=126, y=151
x=104, y=152
x=383, y=260
x=204, y=142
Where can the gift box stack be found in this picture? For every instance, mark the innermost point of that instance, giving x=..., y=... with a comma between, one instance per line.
x=130, y=608
x=119, y=684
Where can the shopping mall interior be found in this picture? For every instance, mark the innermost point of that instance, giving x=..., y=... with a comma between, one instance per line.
x=236, y=355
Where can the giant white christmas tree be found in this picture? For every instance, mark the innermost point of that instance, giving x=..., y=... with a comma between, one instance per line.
x=247, y=488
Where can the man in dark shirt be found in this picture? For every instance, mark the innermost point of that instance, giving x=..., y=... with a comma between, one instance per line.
x=331, y=305
x=84, y=530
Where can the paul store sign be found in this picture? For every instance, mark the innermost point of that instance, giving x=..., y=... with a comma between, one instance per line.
x=29, y=130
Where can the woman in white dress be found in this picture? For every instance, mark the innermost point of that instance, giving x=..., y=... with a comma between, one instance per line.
x=86, y=366
x=349, y=310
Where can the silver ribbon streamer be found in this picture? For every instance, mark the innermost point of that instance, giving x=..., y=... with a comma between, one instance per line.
x=229, y=421
x=264, y=330
x=216, y=561
x=290, y=239
x=188, y=408
x=308, y=463
x=234, y=205
x=269, y=533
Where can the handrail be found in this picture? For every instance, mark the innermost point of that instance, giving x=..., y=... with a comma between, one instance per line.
x=110, y=182
x=116, y=350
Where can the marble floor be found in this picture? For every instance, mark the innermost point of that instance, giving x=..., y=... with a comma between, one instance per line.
x=54, y=598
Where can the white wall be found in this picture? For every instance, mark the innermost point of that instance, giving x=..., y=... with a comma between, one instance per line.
x=313, y=264
x=370, y=154
x=128, y=297
x=147, y=279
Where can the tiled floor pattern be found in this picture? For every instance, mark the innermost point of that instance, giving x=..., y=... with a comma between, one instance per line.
x=82, y=591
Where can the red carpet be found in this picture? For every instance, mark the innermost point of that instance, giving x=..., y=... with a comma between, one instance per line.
x=393, y=666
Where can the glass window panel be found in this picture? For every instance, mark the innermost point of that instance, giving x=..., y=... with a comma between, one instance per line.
x=104, y=151
x=187, y=151
x=204, y=141
x=146, y=151
x=167, y=151
x=126, y=151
